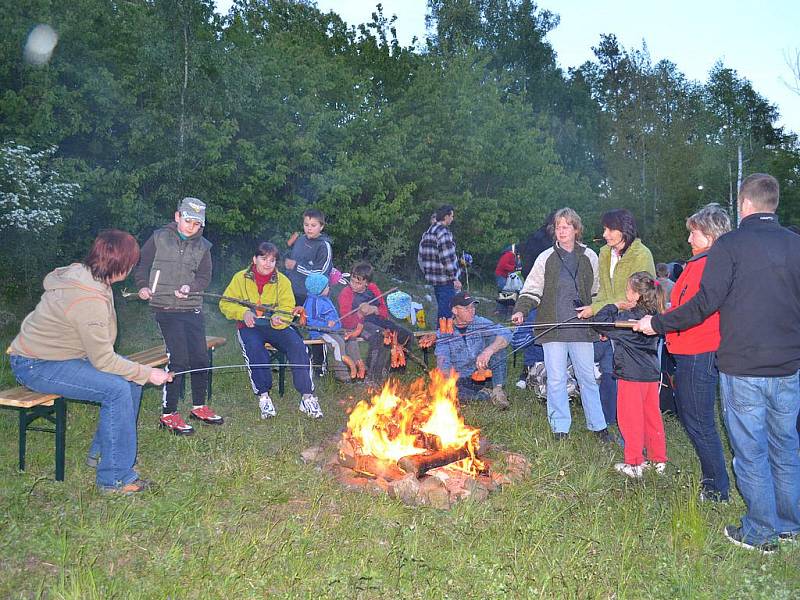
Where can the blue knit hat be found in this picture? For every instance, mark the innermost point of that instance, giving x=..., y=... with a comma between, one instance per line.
x=315, y=283
x=399, y=304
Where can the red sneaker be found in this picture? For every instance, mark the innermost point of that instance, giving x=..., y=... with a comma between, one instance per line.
x=175, y=424
x=206, y=415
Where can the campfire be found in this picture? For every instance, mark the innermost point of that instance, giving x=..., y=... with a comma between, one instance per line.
x=414, y=445
x=416, y=432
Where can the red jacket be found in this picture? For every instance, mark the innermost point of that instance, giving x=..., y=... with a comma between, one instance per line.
x=346, y=305
x=507, y=264
x=700, y=338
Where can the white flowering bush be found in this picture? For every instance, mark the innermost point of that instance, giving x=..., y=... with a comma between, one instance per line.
x=32, y=198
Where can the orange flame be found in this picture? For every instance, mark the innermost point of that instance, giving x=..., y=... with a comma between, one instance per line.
x=391, y=425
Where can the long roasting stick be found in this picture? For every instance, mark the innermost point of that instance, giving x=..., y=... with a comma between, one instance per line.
x=355, y=310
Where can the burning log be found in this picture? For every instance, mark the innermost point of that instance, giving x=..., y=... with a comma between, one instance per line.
x=419, y=464
x=366, y=464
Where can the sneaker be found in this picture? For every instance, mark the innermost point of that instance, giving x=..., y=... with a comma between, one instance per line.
x=499, y=399
x=788, y=537
x=483, y=395
x=632, y=471
x=309, y=404
x=266, y=406
x=735, y=535
x=711, y=496
x=174, y=423
x=658, y=467
x=206, y=415
x=604, y=436
x=134, y=487
x=522, y=384
x=560, y=436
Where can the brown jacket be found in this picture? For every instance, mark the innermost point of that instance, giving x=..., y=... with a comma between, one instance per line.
x=75, y=318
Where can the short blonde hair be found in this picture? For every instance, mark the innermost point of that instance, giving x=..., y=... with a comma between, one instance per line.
x=712, y=221
x=571, y=217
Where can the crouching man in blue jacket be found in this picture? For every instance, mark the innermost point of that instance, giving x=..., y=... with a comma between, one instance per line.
x=476, y=344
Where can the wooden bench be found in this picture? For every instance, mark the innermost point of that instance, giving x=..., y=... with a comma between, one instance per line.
x=50, y=407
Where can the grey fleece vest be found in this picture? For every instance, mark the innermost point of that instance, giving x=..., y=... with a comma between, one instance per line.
x=178, y=261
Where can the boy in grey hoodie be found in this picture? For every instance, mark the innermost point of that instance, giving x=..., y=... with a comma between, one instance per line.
x=310, y=253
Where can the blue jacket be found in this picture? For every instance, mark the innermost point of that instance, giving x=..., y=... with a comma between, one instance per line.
x=458, y=351
x=320, y=310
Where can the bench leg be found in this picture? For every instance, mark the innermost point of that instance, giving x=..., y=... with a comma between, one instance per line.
x=23, y=437
x=61, y=436
x=281, y=374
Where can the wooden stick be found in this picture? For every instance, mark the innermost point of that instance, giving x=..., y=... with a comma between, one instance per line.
x=355, y=310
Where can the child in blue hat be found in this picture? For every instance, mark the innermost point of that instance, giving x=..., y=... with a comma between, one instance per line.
x=320, y=312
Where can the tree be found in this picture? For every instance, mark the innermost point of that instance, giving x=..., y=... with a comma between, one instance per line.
x=32, y=196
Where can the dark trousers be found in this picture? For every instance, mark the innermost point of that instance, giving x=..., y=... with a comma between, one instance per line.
x=379, y=354
x=604, y=357
x=696, y=378
x=288, y=341
x=444, y=294
x=184, y=334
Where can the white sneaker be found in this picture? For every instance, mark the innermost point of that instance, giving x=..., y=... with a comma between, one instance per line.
x=521, y=384
x=310, y=405
x=658, y=467
x=266, y=407
x=632, y=471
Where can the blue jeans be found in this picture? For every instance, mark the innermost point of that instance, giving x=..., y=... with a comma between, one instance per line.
x=444, y=294
x=604, y=357
x=523, y=338
x=498, y=364
x=761, y=415
x=119, y=400
x=555, y=361
x=696, y=378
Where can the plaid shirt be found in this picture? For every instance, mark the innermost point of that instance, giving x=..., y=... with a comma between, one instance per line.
x=437, y=255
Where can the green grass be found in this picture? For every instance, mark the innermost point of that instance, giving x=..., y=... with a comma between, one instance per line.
x=236, y=514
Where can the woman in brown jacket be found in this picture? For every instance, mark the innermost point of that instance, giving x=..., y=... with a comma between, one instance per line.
x=66, y=347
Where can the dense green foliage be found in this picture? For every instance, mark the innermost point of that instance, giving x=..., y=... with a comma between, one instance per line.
x=277, y=107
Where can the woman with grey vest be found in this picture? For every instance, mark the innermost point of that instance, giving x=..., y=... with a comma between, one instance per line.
x=175, y=263
x=563, y=278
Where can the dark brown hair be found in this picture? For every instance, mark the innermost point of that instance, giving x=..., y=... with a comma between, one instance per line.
x=313, y=213
x=623, y=221
x=362, y=270
x=267, y=249
x=113, y=253
x=651, y=294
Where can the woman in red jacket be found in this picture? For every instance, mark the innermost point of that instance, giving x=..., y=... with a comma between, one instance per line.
x=694, y=350
x=506, y=264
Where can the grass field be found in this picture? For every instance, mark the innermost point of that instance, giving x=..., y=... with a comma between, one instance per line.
x=236, y=514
